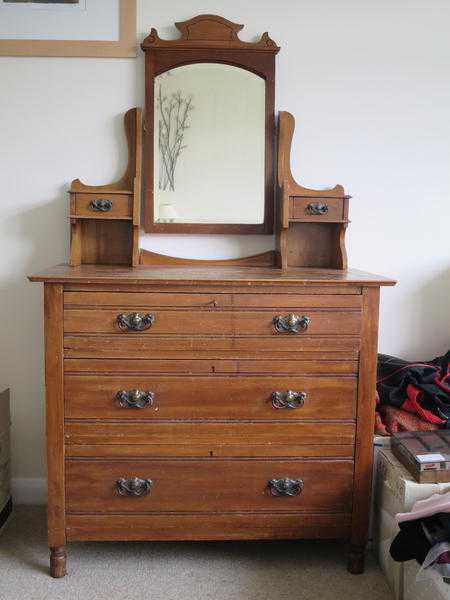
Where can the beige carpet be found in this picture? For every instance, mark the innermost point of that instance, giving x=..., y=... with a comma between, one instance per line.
x=297, y=570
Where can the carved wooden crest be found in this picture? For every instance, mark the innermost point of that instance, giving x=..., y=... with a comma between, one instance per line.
x=211, y=31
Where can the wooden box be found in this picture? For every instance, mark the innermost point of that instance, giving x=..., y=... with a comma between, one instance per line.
x=426, y=454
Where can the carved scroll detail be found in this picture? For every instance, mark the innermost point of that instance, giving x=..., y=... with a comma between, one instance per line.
x=211, y=31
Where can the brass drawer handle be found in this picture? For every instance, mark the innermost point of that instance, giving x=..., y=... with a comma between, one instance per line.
x=134, y=486
x=135, y=399
x=291, y=323
x=100, y=205
x=288, y=399
x=135, y=321
x=286, y=487
x=316, y=209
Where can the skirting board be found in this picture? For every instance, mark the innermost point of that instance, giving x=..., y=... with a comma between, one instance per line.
x=29, y=490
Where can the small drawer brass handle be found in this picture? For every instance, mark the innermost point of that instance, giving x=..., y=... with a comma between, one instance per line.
x=100, y=205
x=288, y=399
x=135, y=398
x=286, y=487
x=316, y=209
x=291, y=323
x=135, y=321
x=134, y=486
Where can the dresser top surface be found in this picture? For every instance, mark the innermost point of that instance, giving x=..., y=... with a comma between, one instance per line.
x=107, y=274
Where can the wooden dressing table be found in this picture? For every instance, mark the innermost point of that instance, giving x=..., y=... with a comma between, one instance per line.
x=202, y=400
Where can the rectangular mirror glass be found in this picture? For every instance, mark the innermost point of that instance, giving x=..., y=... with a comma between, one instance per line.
x=209, y=145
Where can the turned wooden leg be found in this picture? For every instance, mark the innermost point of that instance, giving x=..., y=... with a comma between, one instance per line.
x=58, y=558
x=356, y=557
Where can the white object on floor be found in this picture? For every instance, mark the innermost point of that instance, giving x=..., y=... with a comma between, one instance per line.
x=433, y=588
x=396, y=491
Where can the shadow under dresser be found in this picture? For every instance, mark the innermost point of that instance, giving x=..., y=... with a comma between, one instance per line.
x=209, y=403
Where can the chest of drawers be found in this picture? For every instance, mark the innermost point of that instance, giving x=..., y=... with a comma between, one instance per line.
x=196, y=404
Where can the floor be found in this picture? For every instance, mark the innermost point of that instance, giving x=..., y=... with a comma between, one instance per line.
x=298, y=570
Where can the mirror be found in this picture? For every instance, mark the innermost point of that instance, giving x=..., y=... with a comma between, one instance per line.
x=209, y=145
x=209, y=130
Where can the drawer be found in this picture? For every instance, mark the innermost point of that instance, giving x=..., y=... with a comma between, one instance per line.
x=224, y=398
x=149, y=300
x=206, y=526
x=208, y=485
x=209, y=438
x=212, y=323
x=317, y=209
x=102, y=205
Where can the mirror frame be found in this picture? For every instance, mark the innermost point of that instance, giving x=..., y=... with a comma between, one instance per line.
x=209, y=39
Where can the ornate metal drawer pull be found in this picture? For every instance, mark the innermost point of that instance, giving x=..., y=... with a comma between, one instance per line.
x=100, y=205
x=316, y=209
x=288, y=399
x=286, y=487
x=134, y=486
x=135, y=321
x=291, y=323
x=135, y=399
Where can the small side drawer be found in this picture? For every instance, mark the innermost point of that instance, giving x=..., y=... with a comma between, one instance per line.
x=317, y=209
x=181, y=485
x=101, y=205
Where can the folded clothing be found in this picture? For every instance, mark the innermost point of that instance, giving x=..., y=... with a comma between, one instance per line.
x=391, y=420
x=437, y=503
x=418, y=536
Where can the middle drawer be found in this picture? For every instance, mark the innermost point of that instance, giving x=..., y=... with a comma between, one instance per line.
x=226, y=398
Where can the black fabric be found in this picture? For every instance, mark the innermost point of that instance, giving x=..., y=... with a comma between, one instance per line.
x=415, y=538
x=431, y=378
x=410, y=542
x=437, y=530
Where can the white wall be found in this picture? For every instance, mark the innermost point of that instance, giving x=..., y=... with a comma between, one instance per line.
x=369, y=84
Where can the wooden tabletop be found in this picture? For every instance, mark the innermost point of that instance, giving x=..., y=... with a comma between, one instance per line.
x=109, y=274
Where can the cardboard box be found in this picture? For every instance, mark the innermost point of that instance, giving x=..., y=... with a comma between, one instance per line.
x=396, y=491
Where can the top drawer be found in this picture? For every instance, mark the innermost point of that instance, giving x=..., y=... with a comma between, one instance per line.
x=213, y=322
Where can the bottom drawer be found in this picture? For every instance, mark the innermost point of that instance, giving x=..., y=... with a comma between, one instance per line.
x=197, y=526
x=208, y=485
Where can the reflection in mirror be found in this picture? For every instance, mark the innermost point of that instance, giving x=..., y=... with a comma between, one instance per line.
x=209, y=145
